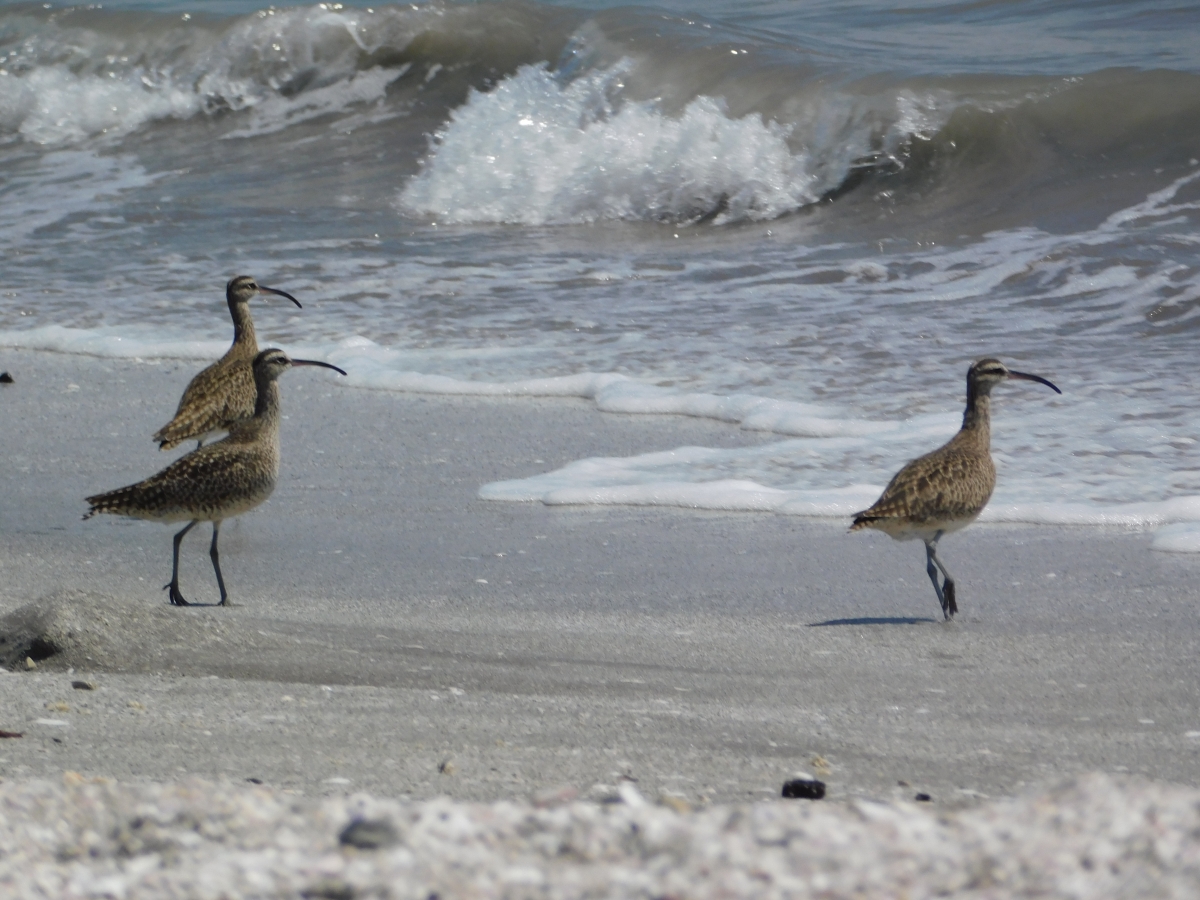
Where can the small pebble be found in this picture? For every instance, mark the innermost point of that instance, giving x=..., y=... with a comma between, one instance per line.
x=602, y=793
x=805, y=788
x=84, y=685
x=447, y=767
x=368, y=834
x=5, y=378
x=922, y=797
x=328, y=889
x=29, y=663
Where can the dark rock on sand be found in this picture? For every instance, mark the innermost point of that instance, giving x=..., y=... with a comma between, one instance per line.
x=804, y=789
x=368, y=834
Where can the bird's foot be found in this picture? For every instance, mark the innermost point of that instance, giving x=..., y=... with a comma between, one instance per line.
x=176, y=597
x=949, y=607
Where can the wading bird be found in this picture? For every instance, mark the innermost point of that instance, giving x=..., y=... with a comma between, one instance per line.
x=947, y=489
x=223, y=392
x=213, y=483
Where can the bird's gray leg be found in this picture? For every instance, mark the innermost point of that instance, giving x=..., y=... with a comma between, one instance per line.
x=173, y=587
x=212, y=552
x=946, y=594
x=931, y=569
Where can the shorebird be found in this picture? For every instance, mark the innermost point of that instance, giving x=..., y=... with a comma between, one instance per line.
x=212, y=483
x=223, y=392
x=947, y=489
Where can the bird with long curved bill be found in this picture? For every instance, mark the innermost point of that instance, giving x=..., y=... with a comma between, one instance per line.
x=223, y=392
x=215, y=482
x=947, y=489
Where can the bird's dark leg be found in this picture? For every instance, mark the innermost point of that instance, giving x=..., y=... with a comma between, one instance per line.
x=176, y=597
x=946, y=594
x=931, y=569
x=212, y=552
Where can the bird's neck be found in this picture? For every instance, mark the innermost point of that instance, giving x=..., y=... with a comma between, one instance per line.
x=263, y=426
x=977, y=418
x=243, y=327
x=266, y=405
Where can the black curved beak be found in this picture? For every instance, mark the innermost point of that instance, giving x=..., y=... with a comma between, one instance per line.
x=267, y=290
x=313, y=362
x=1025, y=376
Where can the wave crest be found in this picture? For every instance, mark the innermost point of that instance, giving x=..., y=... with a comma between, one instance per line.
x=538, y=151
x=80, y=73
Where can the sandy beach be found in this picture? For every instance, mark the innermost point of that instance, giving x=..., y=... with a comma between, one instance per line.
x=542, y=606
x=528, y=701
x=393, y=633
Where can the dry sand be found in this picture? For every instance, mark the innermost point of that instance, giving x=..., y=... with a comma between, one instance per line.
x=1094, y=837
x=392, y=633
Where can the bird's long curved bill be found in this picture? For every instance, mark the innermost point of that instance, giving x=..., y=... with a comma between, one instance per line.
x=1025, y=376
x=314, y=362
x=268, y=290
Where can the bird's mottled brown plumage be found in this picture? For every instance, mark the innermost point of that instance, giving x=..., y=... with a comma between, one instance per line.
x=940, y=491
x=218, y=481
x=224, y=392
x=947, y=489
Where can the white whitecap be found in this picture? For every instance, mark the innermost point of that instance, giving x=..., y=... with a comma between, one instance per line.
x=536, y=151
x=53, y=105
x=278, y=112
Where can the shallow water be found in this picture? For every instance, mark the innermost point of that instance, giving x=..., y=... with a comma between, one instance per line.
x=807, y=219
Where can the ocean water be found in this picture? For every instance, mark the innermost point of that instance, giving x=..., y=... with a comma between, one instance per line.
x=803, y=218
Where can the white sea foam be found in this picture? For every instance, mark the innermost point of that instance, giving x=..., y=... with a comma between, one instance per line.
x=276, y=113
x=654, y=479
x=70, y=84
x=375, y=367
x=113, y=342
x=535, y=150
x=856, y=353
x=53, y=105
x=1158, y=204
x=1183, y=537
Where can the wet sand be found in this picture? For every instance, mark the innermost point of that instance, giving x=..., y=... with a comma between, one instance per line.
x=393, y=633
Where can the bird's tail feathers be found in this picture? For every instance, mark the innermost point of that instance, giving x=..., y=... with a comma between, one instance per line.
x=111, y=502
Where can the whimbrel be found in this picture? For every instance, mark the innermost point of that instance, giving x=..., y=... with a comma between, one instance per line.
x=223, y=392
x=947, y=489
x=213, y=483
